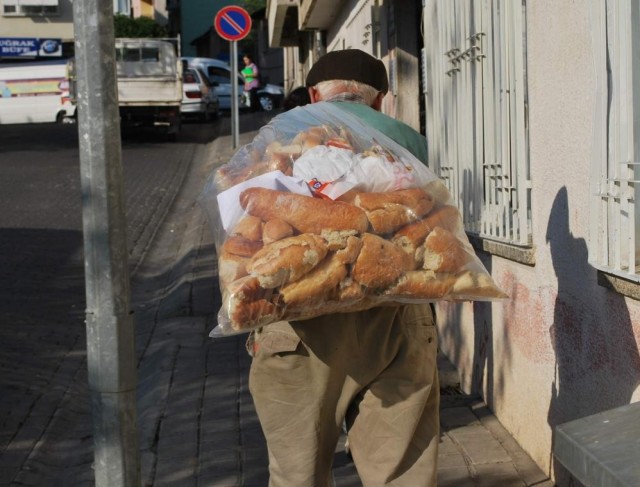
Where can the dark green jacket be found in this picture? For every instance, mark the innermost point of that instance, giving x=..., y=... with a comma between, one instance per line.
x=396, y=130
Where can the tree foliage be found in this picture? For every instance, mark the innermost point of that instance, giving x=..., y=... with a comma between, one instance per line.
x=125, y=26
x=254, y=5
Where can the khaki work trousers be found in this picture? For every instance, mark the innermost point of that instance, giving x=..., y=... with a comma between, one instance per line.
x=376, y=369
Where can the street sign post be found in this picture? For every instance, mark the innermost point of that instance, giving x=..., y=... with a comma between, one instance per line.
x=233, y=23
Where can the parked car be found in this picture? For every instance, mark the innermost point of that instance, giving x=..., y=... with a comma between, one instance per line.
x=219, y=73
x=199, y=98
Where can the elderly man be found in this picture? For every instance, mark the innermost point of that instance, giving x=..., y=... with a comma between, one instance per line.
x=375, y=369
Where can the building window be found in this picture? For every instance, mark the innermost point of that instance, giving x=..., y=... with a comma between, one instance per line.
x=30, y=8
x=475, y=118
x=614, y=238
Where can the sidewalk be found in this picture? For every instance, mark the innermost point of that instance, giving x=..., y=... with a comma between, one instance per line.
x=197, y=423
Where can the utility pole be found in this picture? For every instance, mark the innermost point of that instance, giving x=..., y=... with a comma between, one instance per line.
x=110, y=332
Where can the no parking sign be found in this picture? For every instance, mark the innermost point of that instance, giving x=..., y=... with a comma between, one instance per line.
x=232, y=23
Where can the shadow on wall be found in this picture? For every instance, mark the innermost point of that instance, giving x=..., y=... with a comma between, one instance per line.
x=597, y=360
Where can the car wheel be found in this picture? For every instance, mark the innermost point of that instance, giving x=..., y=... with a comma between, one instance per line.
x=266, y=102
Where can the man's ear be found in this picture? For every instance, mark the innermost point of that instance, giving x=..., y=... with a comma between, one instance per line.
x=314, y=95
x=377, y=103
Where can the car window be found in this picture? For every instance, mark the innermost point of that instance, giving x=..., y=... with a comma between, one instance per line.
x=189, y=77
x=203, y=77
x=219, y=75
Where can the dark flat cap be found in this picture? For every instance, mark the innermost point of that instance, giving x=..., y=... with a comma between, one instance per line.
x=350, y=64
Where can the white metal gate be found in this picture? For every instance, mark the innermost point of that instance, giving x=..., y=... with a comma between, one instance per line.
x=475, y=92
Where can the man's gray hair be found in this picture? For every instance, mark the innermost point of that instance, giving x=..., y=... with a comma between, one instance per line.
x=347, y=90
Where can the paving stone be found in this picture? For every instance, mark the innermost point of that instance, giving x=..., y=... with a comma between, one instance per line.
x=455, y=477
x=498, y=474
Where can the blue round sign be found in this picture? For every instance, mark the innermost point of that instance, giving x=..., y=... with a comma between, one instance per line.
x=232, y=23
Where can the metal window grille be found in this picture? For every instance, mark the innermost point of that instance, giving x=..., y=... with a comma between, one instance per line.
x=474, y=69
x=615, y=171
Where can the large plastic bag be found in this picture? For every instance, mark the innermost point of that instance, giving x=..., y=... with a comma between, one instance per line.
x=322, y=214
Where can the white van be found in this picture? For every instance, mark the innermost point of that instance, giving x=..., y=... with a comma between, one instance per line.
x=34, y=92
x=219, y=73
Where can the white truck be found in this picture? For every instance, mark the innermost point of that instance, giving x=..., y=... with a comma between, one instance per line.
x=149, y=83
x=34, y=92
x=149, y=76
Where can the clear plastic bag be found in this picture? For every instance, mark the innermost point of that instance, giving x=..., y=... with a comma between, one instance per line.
x=322, y=214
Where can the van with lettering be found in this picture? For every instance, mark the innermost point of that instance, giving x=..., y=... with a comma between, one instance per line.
x=34, y=92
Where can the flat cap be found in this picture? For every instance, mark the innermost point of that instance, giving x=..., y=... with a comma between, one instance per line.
x=351, y=65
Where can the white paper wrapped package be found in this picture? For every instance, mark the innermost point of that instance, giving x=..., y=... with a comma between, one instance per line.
x=321, y=214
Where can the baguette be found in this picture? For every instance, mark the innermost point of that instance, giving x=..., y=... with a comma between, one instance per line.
x=287, y=260
x=315, y=285
x=249, y=227
x=238, y=245
x=413, y=235
x=379, y=262
x=231, y=267
x=390, y=211
x=304, y=213
x=276, y=229
x=443, y=252
x=248, y=304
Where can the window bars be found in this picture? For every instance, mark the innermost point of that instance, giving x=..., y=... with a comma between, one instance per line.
x=475, y=82
x=615, y=171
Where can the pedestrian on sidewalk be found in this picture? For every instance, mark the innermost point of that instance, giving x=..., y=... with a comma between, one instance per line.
x=251, y=82
x=374, y=369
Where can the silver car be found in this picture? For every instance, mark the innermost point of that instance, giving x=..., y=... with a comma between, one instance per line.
x=198, y=96
x=219, y=73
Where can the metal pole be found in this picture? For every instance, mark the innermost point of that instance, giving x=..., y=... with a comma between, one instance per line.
x=235, y=118
x=110, y=332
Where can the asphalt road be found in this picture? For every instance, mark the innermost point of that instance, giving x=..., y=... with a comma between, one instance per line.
x=42, y=296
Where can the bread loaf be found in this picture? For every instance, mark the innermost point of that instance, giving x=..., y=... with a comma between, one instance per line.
x=379, y=262
x=316, y=285
x=443, y=252
x=249, y=227
x=248, y=305
x=238, y=245
x=304, y=213
x=231, y=267
x=287, y=260
x=276, y=229
x=413, y=235
x=390, y=211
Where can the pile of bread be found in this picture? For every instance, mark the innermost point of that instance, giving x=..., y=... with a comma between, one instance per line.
x=295, y=257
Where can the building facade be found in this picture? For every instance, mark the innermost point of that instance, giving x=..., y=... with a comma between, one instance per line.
x=27, y=21
x=532, y=115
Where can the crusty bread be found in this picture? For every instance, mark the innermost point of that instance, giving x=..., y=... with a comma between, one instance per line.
x=238, y=245
x=413, y=235
x=350, y=290
x=350, y=252
x=248, y=304
x=249, y=227
x=422, y=284
x=287, y=260
x=304, y=213
x=316, y=284
x=276, y=229
x=379, y=262
x=390, y=211
x=337, y=239
x=443, y=252
x=231, y=267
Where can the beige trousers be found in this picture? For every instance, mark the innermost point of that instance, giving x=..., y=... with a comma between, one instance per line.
x=376, y=369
